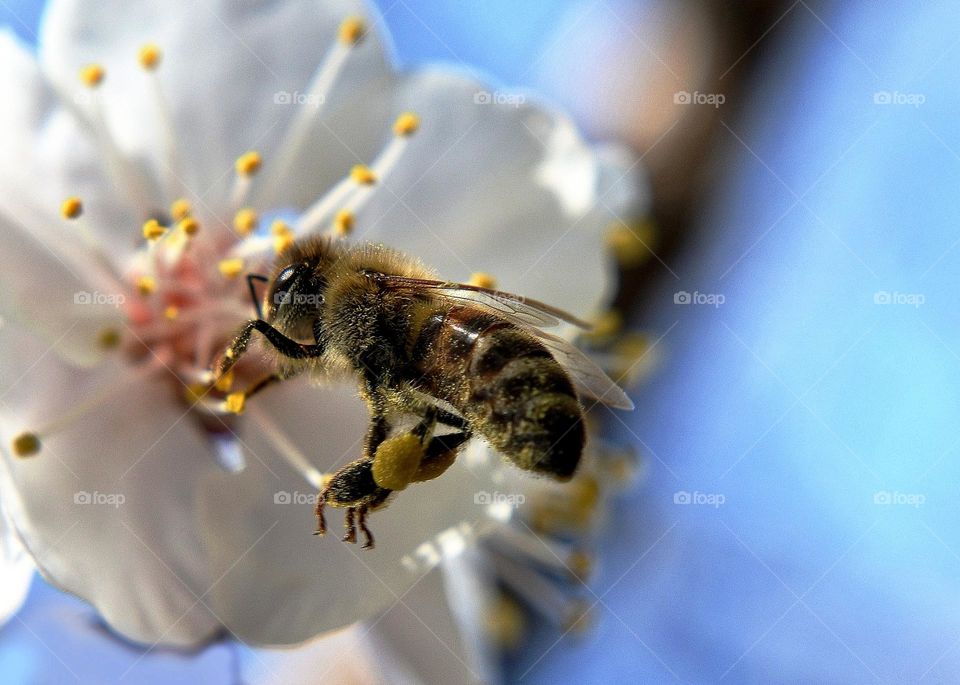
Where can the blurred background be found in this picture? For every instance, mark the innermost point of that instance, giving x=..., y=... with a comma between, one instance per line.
x=799, y=517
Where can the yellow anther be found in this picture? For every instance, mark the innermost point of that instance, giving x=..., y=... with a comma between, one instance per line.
x=235, y=403
x=397, y=461
x=352, y=30
x=171, y=312
x=152, y=230
x=180, y=209
x=343, y=222
x=406, y=124
x=26, y=444
x=578, y=619
x=230, y=268
x=605, y=327
x=146, y=285
x=195, y=392
x=224, y=382
x=363, y=175
x=71, y=208
x=482, y=280
x=248, y=163
x=580, y=564
x=632, y=245
x=189, y=226
x=108, y=338
x=245, y=221
x=282, y=236
x=92, y=75
x=150, y=56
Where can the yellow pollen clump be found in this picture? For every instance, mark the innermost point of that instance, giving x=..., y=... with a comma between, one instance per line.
x=363, y=175
x=108, y=338
x=235, y=403
x=343, y=222
x=26, y=444
x=245, y=221
x=71, y=208
x=152, y=230
x=150, y=56
x=282, y=236
x=146, y=285
x=352, y=30
x=189, y=226
x=249, y=163
x=482, y=280
x=171, y=312
x=92, y=75
x=224, y=382
x=180, y=209
x=397, y=460
x=406, y=124
x=230, y=268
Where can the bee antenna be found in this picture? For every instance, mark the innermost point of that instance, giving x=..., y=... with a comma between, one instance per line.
x=253, y=291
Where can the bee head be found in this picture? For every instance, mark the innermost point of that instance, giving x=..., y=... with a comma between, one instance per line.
x=295, y=298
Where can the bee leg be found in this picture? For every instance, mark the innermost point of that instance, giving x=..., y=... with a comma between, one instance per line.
x=318, y=511
x=351, y=527
x=362, y=521
x=284, y=345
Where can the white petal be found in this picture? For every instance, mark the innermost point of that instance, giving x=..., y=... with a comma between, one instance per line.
x=47, y=156
x=107, y=507
x=508, y=189
x=16, y=571
x=283, y=585
x=222, y=69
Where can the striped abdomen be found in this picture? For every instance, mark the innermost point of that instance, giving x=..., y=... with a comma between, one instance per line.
x=505, y=383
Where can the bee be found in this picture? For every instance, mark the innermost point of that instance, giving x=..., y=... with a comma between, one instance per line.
x=457, y=360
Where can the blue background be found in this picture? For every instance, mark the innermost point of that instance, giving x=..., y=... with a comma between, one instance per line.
x=799, y=400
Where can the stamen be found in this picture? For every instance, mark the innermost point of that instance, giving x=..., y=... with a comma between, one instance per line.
x=235, y=403
x=180, y=209
x=546, y=552
x=504, y=622
x=26, y=445
x=146, y=285
x=286, y=448
x=71, y=208
x=152, y=230
x=543, y=594
x=189, y=226
x=631, y=244
x=92, y=75
x=482, y=280
x=363, y=175
x=230, y=268
x=150, y=56
x=171, y=312
x=312, y=105
x=245, y=221
x=108, y=338
x=283, y=236
x=352, y=30
x=343, y=223
x=406, y=124
x=247, y=166
x=224, y=382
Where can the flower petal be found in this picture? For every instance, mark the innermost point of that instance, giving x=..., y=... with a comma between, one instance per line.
x=501, y=186
x=281, y=584
x=107, y=507
x=16, y=571
x=224, y=73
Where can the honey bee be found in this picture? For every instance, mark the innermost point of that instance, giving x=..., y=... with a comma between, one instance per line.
x=472, y=359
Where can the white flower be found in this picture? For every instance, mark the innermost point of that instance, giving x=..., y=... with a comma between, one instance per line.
x=172, y=517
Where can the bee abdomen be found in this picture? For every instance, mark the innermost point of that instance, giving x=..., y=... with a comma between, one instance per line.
x=524, y=403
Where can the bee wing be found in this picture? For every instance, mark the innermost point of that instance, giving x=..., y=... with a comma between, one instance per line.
x=515, y=308
x=531, y=315
x=589, y=379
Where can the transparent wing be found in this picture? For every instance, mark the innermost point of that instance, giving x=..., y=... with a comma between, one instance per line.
x=589, y=379
x=515, y=308
x=531, y=315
